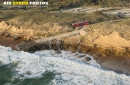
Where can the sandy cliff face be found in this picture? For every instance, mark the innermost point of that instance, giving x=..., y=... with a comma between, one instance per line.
x=112, y=39
x=12, y=31
x=110, y=50
x=32, y=32
x=113, y=58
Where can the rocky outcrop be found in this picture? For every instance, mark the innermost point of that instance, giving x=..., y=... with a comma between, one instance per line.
x=113, y=58
x=113, y=54
x=10, y=31
x=30, y=30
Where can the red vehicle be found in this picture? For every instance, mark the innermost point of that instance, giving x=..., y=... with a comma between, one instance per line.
x=80, y=24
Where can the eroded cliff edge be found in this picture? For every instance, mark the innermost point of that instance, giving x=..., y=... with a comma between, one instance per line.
x=113, y=54
x=108, y=45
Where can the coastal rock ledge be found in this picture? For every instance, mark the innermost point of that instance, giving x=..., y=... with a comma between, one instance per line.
x=113, y=58
x=107, y=46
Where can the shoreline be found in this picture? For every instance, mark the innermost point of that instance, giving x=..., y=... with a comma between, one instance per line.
x=107, y=47
x=104, y=55
x=115, y=59
x=9, y=42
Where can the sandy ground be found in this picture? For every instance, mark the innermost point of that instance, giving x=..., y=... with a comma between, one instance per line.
x=107, y=34
x=9, y=42
x=95, y=36
x=88, y=10
x=28, y=33
x=107, y=37
x=113, y=54
x=112, y=39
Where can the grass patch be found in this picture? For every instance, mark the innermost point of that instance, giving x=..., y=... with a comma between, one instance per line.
x=29, y=17
x=125, y=21
x=43, y=22
x=66, y=18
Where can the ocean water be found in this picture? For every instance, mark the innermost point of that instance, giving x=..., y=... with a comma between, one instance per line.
x=51, y=68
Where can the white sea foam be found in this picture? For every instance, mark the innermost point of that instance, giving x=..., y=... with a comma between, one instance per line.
x=69, y=70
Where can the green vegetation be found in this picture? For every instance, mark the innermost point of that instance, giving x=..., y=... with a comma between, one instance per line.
x=35, y=19
x=122, y=26
x=1, y=6
x=124, y=22
x=39, y=17
x=75, y=3
x=64, y=4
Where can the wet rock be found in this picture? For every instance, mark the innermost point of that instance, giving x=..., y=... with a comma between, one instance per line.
x=29, y=72
x=76, y=54
x=58, y=51
x=87, y=59
x=80, y=56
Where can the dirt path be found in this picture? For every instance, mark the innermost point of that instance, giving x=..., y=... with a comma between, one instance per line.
x=27, y=45
x=60, y=36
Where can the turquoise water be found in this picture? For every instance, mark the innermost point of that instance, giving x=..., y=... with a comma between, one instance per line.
x=7, y=77
x=50, y=68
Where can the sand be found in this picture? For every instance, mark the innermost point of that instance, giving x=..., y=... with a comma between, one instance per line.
x=9, y=42
x=112, y=39
x=118, y=61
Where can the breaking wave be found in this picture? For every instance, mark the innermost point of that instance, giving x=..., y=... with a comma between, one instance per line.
x=51, y=68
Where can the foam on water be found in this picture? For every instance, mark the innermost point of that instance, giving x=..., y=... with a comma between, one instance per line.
x=68, y=69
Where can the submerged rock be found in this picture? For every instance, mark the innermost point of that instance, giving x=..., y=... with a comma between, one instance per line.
x=80, y=56
x=87, y=59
